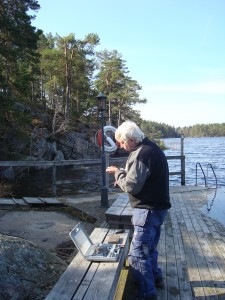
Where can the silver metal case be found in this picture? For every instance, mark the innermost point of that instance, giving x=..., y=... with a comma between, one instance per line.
x=91, y=251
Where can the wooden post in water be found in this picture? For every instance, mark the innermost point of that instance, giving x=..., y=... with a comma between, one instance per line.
x=182, y=161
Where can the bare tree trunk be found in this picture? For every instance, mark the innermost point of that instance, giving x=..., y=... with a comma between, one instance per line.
x=110, y=112
x=119, y=118
x=42, y=88
x=67, y=75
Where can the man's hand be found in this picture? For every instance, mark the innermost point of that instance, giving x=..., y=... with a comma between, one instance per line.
x=112, y=169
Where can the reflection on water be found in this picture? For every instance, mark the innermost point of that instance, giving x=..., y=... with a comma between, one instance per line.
x=210, y=199
x=38, y=183
x=215, y=208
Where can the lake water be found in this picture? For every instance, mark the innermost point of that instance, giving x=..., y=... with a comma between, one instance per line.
x=215, y=207
x=198, y=150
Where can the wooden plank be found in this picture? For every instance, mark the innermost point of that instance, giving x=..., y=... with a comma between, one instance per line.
x=122, y=200
x=182, y=268
x=171, y=267
x=86, y=282
x=218, y=273
x=71, y=279
x=52, y=200
x=34, y=201
x=6, y=203
x=72, y=181
x=216, y=240
x=45, y=163
x=120, y=213
x=203, y=254
x=113, y=219
x=125, y=219
x=189, y=249
x=20, y=202
x=162, y=293
x=210, y=252
x=114, y=210
x=104, y=283
x=175, y=173
x=128, y=211
x=169, y=157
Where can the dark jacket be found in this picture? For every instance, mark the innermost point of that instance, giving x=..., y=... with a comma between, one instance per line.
x=146, y=177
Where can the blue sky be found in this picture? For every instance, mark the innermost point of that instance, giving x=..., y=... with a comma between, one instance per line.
x=174, y=49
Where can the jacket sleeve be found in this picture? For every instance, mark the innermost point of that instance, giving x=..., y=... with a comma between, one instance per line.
x=132, y=180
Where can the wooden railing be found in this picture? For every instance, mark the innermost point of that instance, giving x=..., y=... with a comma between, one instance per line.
x=83, y=162
x=182, y=167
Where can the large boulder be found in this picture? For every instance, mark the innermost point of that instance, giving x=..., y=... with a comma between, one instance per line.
x=75, y=145
x=26, y=270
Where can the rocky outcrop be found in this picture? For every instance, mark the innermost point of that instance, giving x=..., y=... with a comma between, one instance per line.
x=26, y=270
x=38, y=139
x=74, y=145
x=69, y=146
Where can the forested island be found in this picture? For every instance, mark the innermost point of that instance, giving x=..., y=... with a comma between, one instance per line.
x=52, y=82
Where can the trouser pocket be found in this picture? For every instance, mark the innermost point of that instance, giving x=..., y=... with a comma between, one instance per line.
x=139, y=216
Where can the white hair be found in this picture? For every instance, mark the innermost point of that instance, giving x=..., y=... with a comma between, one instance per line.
x=129, y=130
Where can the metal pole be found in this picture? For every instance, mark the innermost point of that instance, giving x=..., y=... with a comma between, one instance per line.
x=107, y=174
x=104, y=190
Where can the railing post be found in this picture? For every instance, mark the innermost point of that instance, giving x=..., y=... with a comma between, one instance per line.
x=182, y=162
x=182, y=170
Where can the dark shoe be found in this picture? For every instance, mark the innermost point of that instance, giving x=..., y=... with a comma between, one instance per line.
x=159, y=283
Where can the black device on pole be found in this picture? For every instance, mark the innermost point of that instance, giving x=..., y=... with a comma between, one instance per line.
x=101, y=99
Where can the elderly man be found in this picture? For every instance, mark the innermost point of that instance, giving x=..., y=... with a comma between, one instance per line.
x=146, y=180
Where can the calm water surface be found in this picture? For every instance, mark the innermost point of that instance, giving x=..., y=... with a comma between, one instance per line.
x=202, y=150
x=199, y=150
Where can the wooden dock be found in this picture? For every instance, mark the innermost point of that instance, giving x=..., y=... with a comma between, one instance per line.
x=191, y=250
x=7, y=203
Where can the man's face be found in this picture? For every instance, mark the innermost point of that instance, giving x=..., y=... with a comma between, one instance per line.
x=128, y=146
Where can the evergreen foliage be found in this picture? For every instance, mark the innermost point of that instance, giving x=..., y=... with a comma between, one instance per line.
x=122, y=90
x=158, y=130
x=203, y=130
x=18, y=61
